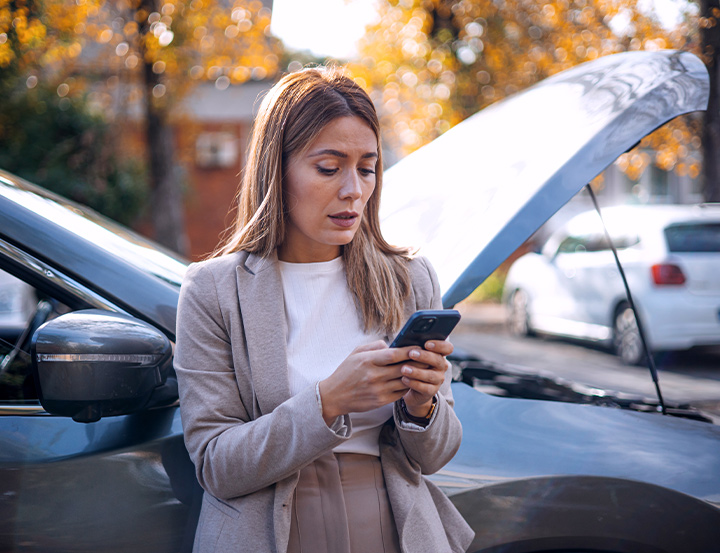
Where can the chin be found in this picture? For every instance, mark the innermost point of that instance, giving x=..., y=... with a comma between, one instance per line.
x=343, y=238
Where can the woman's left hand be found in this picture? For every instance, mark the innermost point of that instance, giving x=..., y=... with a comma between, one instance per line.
x=424, y=375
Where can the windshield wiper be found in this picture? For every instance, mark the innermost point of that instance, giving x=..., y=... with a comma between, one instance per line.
x=641, y=330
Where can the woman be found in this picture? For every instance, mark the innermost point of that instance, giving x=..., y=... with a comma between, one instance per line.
x=307, y=432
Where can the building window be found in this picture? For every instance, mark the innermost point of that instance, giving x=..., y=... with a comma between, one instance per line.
x=216, y=150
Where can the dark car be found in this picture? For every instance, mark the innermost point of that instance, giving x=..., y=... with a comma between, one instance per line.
x=121, y=483
x=91, y=450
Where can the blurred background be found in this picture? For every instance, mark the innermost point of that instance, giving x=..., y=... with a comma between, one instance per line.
x=141, y=109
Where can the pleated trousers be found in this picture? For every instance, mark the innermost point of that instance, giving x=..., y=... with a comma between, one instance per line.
x=341, y=506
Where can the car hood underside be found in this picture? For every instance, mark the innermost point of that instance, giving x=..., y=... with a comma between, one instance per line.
x=472, y=196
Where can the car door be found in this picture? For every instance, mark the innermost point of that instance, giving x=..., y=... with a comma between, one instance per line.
x=119, y=484
x=551, y=303
x=586, y=271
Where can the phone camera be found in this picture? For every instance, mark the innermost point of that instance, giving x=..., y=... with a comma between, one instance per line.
x=426, y=324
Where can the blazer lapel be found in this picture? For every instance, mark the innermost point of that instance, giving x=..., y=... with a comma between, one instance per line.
x=263, y=316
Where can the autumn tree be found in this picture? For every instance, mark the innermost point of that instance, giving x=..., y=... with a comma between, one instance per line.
x=160, y=49
x=147, y=53
x=36, y=34
x=432, y=63
x=47, y=135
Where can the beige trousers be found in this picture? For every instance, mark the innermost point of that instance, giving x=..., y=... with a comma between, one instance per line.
x=341, y=506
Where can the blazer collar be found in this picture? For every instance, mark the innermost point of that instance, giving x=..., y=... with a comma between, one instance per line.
x=262, y=310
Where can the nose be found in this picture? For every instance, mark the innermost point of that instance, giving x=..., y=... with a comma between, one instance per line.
x=351, y=188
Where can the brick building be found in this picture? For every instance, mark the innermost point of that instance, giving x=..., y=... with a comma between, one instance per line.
x=213, y=153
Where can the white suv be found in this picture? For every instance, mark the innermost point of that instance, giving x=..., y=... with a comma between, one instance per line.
x=671, y=257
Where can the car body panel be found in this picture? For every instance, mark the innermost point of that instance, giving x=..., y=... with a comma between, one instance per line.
x=701, y=271
x=586, y=514
x=544, y=438
x=565, y=131
x=120, y=484
x=539, y=475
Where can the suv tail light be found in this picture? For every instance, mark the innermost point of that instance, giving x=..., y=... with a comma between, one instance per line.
x=666, y=273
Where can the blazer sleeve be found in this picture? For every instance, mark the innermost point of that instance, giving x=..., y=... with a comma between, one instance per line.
x=433, y=446
x=234, y=455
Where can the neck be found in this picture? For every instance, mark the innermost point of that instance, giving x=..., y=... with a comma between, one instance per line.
x=292, y=255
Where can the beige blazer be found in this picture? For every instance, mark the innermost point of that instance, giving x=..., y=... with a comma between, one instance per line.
x=248, y=438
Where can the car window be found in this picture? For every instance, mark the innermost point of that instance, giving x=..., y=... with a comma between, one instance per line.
x=693, y=237
x=582, y=244
x=22, y=310
x=573, y=244
x=595, y=243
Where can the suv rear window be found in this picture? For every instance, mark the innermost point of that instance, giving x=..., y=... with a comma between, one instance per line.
x=693, y=237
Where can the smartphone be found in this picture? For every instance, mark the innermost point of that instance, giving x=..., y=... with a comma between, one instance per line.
x=430, y=324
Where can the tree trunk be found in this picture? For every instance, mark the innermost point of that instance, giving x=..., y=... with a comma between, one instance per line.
x=710, y=9
x=166, y=198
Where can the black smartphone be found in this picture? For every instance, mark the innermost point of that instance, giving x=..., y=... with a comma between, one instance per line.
x=429, y=324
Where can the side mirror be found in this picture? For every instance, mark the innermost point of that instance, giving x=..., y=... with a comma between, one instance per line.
x=91, y=364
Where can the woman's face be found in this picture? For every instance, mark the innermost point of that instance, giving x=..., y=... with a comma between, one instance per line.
x=326, y=188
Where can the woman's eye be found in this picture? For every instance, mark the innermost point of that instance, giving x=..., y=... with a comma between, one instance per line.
x=366, y=172
x=326, y=171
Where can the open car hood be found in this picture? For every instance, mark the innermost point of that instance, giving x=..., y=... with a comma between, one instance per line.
x=472, y=196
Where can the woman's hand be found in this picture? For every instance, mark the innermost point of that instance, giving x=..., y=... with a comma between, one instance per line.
x=424, y=375
x=368, y=378
x=374, y=375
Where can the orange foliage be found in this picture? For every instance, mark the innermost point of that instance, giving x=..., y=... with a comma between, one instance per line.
x=183, y=41
x=187, y=41
x=28, y=41
x=432, y=63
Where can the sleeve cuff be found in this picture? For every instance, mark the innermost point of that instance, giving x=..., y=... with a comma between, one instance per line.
x=341, y=424
x=404, y=423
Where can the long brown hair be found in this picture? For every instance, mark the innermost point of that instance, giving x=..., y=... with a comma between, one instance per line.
x=291, y=116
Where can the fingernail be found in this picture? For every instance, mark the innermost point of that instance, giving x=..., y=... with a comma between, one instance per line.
x=430, y=345
x=414, y=353
x=406, y=370
x=405, y=380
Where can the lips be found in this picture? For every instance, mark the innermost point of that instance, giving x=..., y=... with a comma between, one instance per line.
x=344, y=219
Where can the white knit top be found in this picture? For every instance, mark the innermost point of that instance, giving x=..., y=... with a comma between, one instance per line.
x=324, y=327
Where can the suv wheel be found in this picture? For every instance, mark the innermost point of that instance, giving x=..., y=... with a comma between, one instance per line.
x=626, y=337
x=518, y=316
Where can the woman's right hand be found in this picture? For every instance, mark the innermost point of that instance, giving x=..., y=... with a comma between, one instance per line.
x=368, y=378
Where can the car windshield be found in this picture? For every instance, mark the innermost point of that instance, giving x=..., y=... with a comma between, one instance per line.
x=106, y=234
x=693, y=237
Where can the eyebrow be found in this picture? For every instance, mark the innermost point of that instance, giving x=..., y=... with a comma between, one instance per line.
x=338, y=153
